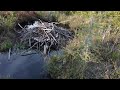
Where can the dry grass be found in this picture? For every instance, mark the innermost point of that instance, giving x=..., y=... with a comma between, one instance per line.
x=94, y=42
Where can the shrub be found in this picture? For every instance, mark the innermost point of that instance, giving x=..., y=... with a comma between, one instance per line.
x=8, y=21
x=96, y=39
x=6, y=45
x=66, y=67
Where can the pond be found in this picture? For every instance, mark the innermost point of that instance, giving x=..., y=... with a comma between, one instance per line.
x=33, y=66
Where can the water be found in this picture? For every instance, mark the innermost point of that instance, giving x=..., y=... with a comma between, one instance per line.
x=31, y=66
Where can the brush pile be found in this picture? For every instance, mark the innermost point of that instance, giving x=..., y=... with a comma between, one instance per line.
x=44, y=35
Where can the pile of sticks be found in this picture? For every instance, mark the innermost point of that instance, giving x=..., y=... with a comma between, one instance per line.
x=44, y=35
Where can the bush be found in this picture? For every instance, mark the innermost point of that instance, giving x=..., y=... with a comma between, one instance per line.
x=8, y=21
x=48, y=15
x=66, y=67
x=6, y=45
x=96, y=40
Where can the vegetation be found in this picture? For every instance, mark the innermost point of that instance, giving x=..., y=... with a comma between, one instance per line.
x=96, y=42
x=5, y=45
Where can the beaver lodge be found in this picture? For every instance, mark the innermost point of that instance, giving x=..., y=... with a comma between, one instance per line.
x=43, y=36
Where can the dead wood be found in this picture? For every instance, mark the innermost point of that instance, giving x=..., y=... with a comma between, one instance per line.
x=44, y=34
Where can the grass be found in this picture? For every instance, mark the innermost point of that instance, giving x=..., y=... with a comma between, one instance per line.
x=6, y=45
x=8, y=20
x=96, y=40
x=66, y=67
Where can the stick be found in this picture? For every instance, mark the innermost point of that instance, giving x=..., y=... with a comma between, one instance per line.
x=45, y=49
x=40, y=20
x=47, y=35
x=29, y=42
x=53, y=37
x=20, y=26
x=31, y=47
x=64, y=34
x=9, y=54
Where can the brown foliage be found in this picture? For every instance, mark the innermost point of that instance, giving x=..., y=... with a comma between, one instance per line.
x=25, y=15
x=5, y=13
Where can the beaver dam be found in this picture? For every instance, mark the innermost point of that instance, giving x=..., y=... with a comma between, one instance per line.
x=43, y=36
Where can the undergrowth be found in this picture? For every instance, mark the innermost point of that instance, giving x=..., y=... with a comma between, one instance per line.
x=96, y=40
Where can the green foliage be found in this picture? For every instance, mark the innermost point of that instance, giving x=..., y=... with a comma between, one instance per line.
x=8, y=21
x=115, y=55
x=66, y=67
x=7, y=44
x=96, y=39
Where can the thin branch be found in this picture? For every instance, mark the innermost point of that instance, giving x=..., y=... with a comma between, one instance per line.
x=9, y=54
x=20, y=26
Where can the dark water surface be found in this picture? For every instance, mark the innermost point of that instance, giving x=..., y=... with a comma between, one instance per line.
x=32, y=66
